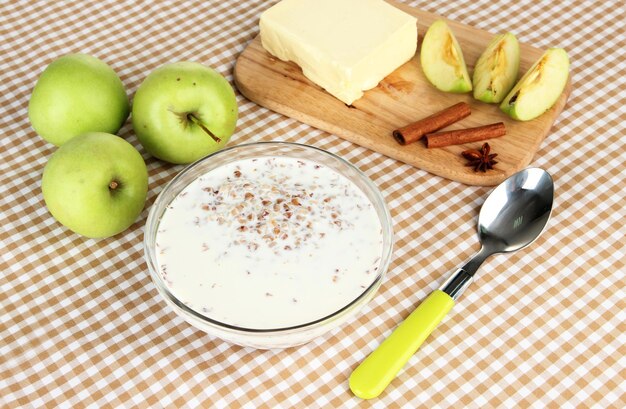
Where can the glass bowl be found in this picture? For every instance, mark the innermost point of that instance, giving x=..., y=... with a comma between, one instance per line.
x=276, y=337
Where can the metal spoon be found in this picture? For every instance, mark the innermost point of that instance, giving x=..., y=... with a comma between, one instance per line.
x=512, y=217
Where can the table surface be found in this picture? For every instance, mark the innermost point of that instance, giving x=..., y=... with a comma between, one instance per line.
x=82, y=324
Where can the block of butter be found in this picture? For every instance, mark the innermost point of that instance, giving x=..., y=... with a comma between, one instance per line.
x=344, y=46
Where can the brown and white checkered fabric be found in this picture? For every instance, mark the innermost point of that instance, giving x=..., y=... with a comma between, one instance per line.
x=82, y=325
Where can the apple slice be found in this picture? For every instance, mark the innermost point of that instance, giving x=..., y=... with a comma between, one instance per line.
x=442, y=59
x=496, y=69
x=539, y=88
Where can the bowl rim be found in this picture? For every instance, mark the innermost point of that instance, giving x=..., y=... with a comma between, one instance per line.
x=151, y=228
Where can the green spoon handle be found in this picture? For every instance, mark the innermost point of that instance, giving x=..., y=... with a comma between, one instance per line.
x=373, y=375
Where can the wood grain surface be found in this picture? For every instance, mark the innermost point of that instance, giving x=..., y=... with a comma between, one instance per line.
x=402, y=97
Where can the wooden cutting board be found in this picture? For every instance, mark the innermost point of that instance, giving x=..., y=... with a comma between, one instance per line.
x=401, y=98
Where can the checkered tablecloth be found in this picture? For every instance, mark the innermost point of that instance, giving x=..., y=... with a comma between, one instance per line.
x=81, y=323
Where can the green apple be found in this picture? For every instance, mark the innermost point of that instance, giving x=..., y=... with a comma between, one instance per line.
x=184, y=111
x=77, y=93
x=95, y=184
x=539, y=88
x=442, y=59
x=496, y=69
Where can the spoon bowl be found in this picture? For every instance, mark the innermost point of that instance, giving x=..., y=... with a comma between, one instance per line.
x=517, y=211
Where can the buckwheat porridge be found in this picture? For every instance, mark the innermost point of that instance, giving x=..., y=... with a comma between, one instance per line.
x=269, y=242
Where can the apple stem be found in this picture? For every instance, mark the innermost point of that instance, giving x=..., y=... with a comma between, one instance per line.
x=113, y=185
x=196, y=121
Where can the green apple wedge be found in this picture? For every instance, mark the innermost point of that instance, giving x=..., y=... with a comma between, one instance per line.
x=95, y=184
x=442, y=59
x=497, y=68
x=75, y=94
x=539, y=88
x=184, y=111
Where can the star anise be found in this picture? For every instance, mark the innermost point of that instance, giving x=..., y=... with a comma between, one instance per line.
x=480, y=159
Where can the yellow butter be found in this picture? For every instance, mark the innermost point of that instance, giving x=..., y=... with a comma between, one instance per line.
x=344, y=46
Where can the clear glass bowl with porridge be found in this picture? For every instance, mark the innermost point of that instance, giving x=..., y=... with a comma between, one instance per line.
x=268, y=244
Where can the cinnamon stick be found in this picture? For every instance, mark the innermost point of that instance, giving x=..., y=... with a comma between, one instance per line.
x=415, y=131
x=457, y=137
